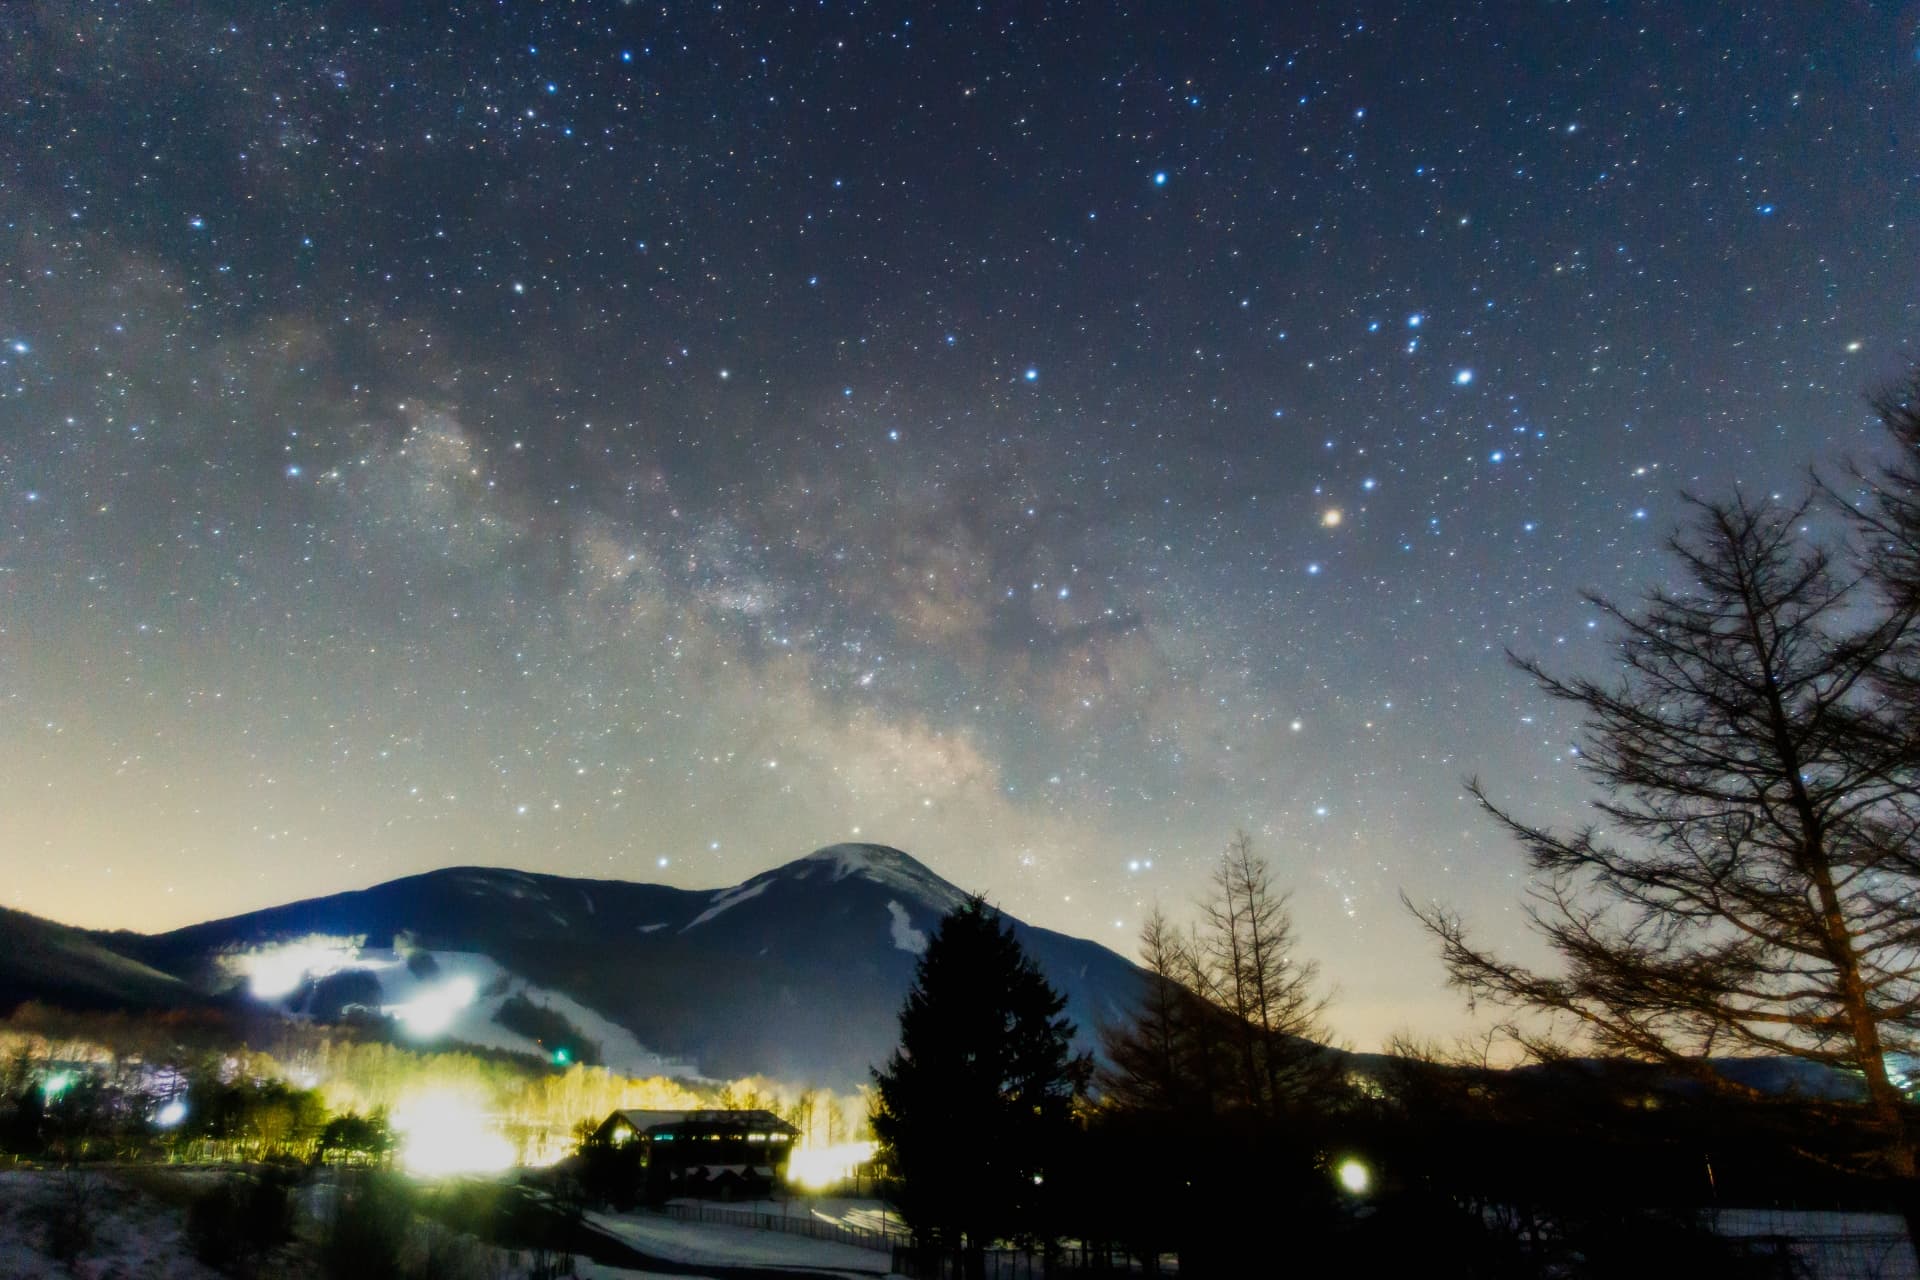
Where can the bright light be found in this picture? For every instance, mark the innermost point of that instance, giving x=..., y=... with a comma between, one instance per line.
x=1332, y=517
x=273, y=972
x=1354, y=1176
x=444, y=1133
x=818, y=1168
x=56, y=1084
x=171, y=1114
x=432, y=1011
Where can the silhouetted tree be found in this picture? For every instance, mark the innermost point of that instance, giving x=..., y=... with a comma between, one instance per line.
x=1752, y=887
x=1251, y=968
x=975, y=1106
x=1153, y=1060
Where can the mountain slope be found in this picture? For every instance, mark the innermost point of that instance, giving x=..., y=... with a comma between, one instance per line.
x=74, y=969
x=798, y=972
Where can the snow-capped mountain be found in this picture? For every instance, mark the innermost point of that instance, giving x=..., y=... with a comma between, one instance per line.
x=798, y=972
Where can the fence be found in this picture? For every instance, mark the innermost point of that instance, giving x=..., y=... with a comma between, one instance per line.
x=1022, y=1264
x=1822, y=1244
x=801, y=1224
x=999, y=1264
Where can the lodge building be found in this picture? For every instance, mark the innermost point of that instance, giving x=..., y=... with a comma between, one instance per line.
x=728, y=1155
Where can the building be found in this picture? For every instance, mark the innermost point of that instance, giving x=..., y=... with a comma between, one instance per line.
x=728, y=1155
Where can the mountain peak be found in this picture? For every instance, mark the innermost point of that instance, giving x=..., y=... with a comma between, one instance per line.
x=881, y=864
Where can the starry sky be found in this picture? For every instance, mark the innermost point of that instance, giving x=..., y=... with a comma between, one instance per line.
x=653, y=441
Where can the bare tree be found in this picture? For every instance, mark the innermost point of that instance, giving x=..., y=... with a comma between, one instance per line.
x=1244, y=961
x=1150, y=1057
x=1751, y=885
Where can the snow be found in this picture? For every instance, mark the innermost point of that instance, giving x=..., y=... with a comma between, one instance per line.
x=706, y=1244
x=460, y=999
x=728, y=898
x=474, y=1023
x=858, y=1213
x=888, y=867
x=1830, y=1243
x=134, y=1234
x=905, y=936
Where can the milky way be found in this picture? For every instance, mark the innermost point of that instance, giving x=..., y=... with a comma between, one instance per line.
x=652, y=442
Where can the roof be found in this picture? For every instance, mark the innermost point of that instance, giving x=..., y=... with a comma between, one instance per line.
x=647, y=1121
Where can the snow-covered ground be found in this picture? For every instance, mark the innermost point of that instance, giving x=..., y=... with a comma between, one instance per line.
x=456, y=1000
x=1829, y=1244
x=842, y=1211
x=133, y=1234
x=715, y=1244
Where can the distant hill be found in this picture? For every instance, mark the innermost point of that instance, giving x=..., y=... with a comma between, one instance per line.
x=59, y=965
x=798, y=972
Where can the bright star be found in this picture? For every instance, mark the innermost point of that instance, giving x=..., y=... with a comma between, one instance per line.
x=1463, y=378
x=1160, y=178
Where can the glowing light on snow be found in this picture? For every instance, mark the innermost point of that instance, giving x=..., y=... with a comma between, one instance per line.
x=273, y=972
x=1354, y=1176
x=818, y=1168
x=444, y=1133
x=433, y=1010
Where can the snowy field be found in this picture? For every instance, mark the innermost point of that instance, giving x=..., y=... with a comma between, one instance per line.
x=133, y=1232
x=706, y=1244
x=840, y=1211
x=1830, y=1245
x=133, y=1235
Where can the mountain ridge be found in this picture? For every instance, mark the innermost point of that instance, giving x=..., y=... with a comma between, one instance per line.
x=798, y=971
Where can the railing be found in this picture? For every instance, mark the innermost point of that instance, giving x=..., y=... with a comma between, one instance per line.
x=998, y=1264
x=803, y=1224
x=1022, y=1264
x=1822, y=1244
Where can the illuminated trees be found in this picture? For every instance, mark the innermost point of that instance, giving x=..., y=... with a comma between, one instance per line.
x=976, y=1102
x=1750, y=886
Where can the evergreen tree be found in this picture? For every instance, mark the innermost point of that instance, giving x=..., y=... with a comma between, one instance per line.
x=975, y=1105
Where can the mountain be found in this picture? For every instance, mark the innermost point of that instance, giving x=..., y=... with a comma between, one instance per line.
x=797, y=973
x=78, y=970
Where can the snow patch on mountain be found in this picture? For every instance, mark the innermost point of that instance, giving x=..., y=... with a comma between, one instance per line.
x=885, y=866
x=905, y=936
x=728, y=898
x=456, y=997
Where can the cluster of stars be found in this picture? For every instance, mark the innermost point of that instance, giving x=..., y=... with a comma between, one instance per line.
x=616, y=443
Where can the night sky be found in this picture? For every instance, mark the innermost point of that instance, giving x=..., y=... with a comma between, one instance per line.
x=652, y=442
